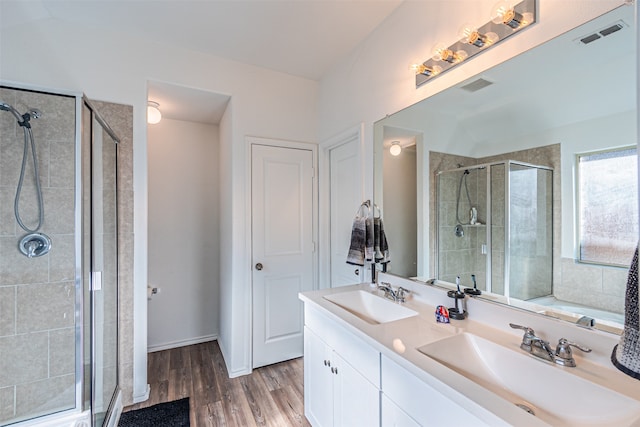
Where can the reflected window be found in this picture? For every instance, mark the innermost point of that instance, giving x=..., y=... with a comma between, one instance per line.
x=608, y=206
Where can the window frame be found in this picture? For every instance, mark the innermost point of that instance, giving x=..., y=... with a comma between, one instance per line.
x=578, y=202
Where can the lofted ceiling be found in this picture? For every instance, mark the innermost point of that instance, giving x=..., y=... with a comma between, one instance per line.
x=300, y=37
x=304, y=38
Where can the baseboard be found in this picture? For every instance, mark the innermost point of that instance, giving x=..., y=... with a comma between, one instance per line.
x=181, y=343
x=225, y=358
x=143, y=397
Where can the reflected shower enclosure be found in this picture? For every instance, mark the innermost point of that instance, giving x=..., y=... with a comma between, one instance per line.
x=58, y=260
x=495, y=221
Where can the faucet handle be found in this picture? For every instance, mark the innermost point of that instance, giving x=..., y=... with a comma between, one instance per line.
x=564, y=345
x=401, y=292
x=527, y=330
x=528, y=337
x=564, y=355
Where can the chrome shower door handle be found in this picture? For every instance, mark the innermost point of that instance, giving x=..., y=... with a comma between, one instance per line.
x=259, y=266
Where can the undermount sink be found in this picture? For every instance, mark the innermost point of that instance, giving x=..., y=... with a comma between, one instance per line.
x=369, y=307
x=548, y=391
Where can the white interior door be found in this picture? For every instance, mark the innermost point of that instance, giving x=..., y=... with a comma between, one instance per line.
x=282, y=191
x=345, y=198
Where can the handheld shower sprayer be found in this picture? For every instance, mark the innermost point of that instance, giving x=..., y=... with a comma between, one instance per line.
x=34, y=244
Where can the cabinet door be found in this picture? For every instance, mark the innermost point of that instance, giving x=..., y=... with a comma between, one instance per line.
x=393, y=416
x=318, y=381
x=356, y=402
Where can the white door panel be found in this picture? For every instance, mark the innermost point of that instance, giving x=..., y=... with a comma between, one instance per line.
x=282, y=248
x=345, y=199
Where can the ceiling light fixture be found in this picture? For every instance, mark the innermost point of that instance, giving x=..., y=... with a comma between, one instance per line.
x=507, y=18
x=395, y=148
x=153, y=113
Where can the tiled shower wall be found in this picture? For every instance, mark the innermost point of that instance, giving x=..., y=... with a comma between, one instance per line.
x=37, y=295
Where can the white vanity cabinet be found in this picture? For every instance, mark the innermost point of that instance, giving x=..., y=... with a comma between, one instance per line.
x=341, y=376
x=418, y=401
x=393, y=416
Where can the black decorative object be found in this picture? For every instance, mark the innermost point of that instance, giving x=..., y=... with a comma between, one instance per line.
x=626, y=355
x=169, y=414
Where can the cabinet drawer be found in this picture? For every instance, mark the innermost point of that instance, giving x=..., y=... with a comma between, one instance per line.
x=364, y=358
x=419, y=400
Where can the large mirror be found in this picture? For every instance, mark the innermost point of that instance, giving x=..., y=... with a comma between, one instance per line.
x=491, y=179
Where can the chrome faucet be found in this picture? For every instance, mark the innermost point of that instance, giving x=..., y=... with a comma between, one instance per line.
x=397, y=295
x=538, y=347
x=388, y=291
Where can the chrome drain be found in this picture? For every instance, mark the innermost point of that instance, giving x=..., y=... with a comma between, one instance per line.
x=525, y=408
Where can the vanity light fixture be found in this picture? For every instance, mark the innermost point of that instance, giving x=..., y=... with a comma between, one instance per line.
x=153, y=113
x=507, y=18
x=395, y=148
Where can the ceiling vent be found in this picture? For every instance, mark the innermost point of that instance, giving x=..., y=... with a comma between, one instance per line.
x=476, y=85
x=603, y=32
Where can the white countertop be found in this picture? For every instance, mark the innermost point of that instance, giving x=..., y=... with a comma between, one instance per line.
x=399, y=340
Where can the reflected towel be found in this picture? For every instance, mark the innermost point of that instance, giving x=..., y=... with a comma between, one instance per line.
x=381, y=246
x=356, y=255
x=626, y=355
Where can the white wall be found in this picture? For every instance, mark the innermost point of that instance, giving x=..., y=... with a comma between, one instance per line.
x=114, y=67
x=184, y=247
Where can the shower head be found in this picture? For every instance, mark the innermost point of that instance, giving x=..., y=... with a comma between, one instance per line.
x=6, y=107
x=23, y=120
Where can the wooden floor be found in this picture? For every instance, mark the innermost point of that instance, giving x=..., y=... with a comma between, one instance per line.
x=270, y=396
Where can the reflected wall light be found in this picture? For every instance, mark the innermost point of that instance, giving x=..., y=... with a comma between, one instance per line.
x=507, y=18
x=395, y=148
x=153, y=113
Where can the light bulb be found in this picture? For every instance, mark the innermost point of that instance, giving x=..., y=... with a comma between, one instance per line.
x=443, y=53
x=395, y=148
x=504, y=13
x=153, y=113
x=434, y=70
x=440, y=52
x=470, y=35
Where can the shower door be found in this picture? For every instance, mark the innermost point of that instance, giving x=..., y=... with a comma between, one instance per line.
x=104, y=271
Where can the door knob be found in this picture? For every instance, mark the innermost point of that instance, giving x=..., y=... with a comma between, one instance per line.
x=259, y=266
x=357, y=272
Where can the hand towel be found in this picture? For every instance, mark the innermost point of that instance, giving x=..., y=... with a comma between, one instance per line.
x=381, y=246
x=369, y=250
x=356, y=255
x=626, y=355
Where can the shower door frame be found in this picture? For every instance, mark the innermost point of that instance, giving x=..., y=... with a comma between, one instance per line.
x=114, y=408
x=488, y=223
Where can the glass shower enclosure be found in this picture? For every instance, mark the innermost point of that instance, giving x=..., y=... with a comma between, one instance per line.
x=495, y=221
x=59, y=307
